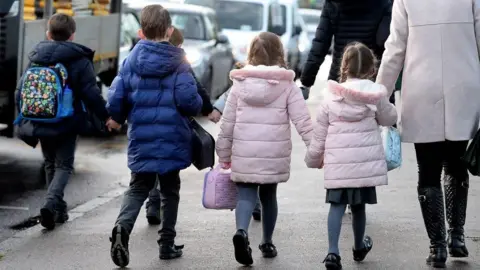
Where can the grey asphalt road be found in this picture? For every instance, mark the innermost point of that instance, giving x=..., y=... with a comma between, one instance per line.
x=395, y=224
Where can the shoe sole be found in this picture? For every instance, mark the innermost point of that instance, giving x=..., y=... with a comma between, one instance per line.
x=171, y=256
x=269, y=255
x=332, y=266
x=47, y=219
x=119, y=253
x=153, y=220
x=242, y=250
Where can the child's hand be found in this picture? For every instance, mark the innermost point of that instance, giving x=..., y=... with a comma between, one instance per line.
x=112, y=125
x=215, y=116
x=226, y=165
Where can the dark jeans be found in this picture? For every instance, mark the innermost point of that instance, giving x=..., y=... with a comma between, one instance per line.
x=59, y=155
x=432, y=157
x=140, y=186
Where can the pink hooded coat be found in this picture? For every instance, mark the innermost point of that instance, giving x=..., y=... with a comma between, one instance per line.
x=347, y=139
x=255, y=132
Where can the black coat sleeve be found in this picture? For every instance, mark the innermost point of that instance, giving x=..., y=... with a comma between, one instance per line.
x=320, y=45
x=207, y=106
x=85, y=87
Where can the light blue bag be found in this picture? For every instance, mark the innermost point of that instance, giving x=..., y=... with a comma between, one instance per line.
x=392, y=146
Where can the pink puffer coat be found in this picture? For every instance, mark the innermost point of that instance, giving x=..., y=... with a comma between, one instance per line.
x=255, y=132
x=347, y=138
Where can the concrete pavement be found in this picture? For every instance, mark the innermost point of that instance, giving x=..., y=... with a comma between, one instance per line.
x=395, y=224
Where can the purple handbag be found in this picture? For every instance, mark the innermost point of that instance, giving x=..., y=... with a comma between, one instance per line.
x=219, y=191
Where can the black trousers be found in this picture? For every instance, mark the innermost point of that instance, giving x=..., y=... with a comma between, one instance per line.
x=433, y=157
x=140, y=186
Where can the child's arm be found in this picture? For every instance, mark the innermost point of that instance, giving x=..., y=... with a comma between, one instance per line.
x=89, y=92
x=299, y=115
x=207, y=107
x=386, y=114
x=316, y=150
x=188, y=101
x=221, y=101
x=225, y=137
x=117, y=98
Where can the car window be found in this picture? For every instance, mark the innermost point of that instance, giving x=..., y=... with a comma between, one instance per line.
x=190, y=24
x=311, y=19
x=244, y=16
x=130, y=26
x=277, y=19
x=210, y=29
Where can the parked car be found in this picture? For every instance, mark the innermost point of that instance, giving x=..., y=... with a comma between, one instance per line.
x=208, y=51
x=242, y=20
x=311, y=17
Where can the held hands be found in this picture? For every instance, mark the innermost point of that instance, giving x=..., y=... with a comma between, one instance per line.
x=215, y=116
x=225, y=165
x=112, y=125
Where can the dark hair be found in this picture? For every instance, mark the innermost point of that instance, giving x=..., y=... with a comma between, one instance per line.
x=358, y=62
x=61, y=27
x=177, y=38
x=266, y=49
x=155, y=21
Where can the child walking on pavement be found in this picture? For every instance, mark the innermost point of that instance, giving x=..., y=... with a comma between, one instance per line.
x=58, y=139
x=255, y=137
x=156, y=92
x=346, y=142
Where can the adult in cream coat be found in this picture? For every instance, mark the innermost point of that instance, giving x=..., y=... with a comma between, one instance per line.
x=437, y=45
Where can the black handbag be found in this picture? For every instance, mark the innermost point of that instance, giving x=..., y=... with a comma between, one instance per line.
x=203, y=146
x=472, y=155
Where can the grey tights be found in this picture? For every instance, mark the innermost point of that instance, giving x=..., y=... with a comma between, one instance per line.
x=247, y=198
x=335, y=224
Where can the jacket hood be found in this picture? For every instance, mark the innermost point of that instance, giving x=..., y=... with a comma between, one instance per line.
x=156, y=59
x=52, y=52
x=356, y=98
x=261, y=85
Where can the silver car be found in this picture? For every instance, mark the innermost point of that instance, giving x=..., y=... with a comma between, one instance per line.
x=208, y=51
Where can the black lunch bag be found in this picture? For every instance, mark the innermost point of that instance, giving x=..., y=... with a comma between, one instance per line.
x=203, y=146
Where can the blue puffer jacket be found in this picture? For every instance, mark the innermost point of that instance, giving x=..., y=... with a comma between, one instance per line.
x=156, y=93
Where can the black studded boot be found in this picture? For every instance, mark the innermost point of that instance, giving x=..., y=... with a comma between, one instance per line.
x=456, y=193
x=431, y=204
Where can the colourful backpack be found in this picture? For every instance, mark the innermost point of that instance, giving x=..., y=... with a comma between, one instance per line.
x=44, y=95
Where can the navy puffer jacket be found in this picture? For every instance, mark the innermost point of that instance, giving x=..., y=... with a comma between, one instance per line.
x=156, y=93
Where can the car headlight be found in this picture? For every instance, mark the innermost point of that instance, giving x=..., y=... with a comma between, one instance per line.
x=194, y=57
x=301, y=47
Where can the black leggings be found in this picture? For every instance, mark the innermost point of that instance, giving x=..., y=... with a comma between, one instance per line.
x=432, y=157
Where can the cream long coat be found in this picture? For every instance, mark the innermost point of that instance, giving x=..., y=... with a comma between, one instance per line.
x=436, y=42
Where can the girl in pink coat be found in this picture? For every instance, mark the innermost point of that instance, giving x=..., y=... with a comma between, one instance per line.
x=255, y=137
x=346, y=142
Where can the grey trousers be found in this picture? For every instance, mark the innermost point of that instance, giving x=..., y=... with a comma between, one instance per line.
x=59, y=155
x=140, y=186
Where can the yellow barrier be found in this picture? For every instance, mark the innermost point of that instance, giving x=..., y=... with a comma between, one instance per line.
x=104, y=56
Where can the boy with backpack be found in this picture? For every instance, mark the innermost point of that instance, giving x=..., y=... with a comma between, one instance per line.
x=50, y=99
x=157, y=93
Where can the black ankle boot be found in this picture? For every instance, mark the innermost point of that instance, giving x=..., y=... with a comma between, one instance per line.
x=170, y=251
x=456, y=194
x=431, y=204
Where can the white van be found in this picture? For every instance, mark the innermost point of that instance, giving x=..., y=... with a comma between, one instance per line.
x=241, y=20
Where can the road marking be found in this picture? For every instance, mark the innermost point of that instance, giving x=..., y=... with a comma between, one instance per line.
x=19, y=208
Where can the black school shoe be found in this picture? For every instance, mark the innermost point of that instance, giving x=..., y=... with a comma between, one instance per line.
x=119, y=249
x=153, y=215
x=333, y=262
x=243, y=252
x=360, y=254
x=61, y=217
x=268, y=250
x=169, y=252
x=47, y=218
